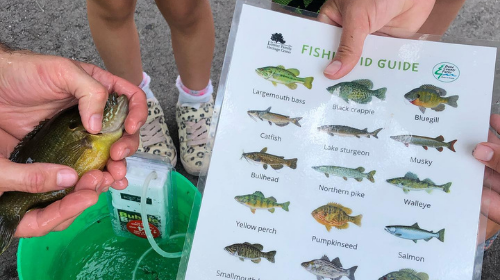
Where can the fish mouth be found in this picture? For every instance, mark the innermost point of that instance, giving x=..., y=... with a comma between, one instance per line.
x=115, y=113
x=252, y=115
x=389, y=229
x=305, y=265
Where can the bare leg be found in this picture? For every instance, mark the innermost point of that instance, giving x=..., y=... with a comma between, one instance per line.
x=441, y=17
x=193, y=39
x=115, y=36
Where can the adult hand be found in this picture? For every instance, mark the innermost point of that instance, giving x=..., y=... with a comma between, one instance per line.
x=358, y=18
x=35, y=87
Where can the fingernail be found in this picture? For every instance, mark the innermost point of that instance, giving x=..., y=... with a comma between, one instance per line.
x=105, y=189
x=96, y=122
x=333, y=68
x=482, y=152
x=125, y=153
x=66, y=178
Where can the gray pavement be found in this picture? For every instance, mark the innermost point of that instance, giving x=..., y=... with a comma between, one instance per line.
x=60, y=28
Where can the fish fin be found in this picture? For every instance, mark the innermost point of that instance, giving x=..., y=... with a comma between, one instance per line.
x=405, y=190
x=256, y=260
x=281, y=66
x=360, y=169
x=364, y=82
x=270, y=256
x=345, y=98
x=265, y=166
x=344, y=226
x=319, y=278
x=440, y=149
x=407, y=145
x=242, y=259
x=281, y=124
x=268, y=110
x=415, y=225
x=380, y=93
x=345, y=178
x=74, y=151
x=427, y=239
x=439, y=138
x=452, y=101
x=411, y=175
x=336, y=262
x=370, y=176
x=358, y=179
x=327, y=175
x=357, y=136
x=408, y=270
x=439, y=108
x=276, y=166
x=425, y=147
x=451, y=145
x=292, y=163
x=258, y=193
x=270, y=123
x=414, y=241
x=291, y=85
x=438, y=90
x=294, y=71
x=446, y=187
x=428, y=190
x=422, y=276
x=271, y=210
x=253, y=210
x=375, y=133
x=347, y=210
x=258, y=246
x=295, y=121
x=264, y=150
x=422, y=109
x=8, y=222
x=428, y=181
x=308, y=82
x=325, y=258
x=350, y=272
x=398, y=234
x=272, y=198
x=285, y=205
x=274, y=83
x=357, y=220
x=441, y=235
x=328, y=228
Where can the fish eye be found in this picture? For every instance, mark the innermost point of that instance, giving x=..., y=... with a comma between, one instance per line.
x=73, y=125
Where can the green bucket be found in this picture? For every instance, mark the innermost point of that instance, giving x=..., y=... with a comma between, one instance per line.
x=89, y=249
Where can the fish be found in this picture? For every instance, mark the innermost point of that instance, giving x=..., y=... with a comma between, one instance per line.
x=276, y=162
x=405, y=274
x=247, y=251
x=432, y=97
x=324, y=268
x=288, y=77
x=347, y=131
x=345, y=172
x=359, y=91
x=257, y=200
x=414, y=233
x=60, y=140
x=335, y=215
x=426, y=142
x=277, y=119
x=410, y=182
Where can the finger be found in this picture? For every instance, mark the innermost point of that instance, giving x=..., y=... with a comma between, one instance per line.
x=108, y=180
x=92, y=180
x=126, y=146
x=117, y=169
x=492, y=179
x=491, y=198
x=35, y=177
x=488, y=154
x=64, y=225
x=493, y=138
x=330, y=14
x=42, y=221
x=138, y=110
x=120, y=185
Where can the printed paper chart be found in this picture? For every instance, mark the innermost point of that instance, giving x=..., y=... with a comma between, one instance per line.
x=357, y=178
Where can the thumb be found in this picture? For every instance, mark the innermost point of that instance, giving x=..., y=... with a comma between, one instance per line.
x=35, y=177
x=355, y=29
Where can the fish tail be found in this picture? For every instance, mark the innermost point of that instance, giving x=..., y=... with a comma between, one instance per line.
x=380, y=93
x=452, y=101
x=446, y=187
x=350, y=272
x=270, y=256
x=308, y=82
x=451, y=145
x=292, y=163
x=441, y=235
x=295, y=121
x=285, y=205
x=370, y=176
x=375, y=133
x=357, y=220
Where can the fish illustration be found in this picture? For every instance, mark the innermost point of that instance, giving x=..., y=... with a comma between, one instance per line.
x=335, y=215
x=347, y=131
x=345, y=172
x=323, y=268
x=414, y=233
x=410, y=182
x=437, y=143
x=257, y=200
x=247, y=251
x=277, y=119
x=405, y=274
x=276, y=162
x=429, y=96
x=359, y=91
x=280, y=75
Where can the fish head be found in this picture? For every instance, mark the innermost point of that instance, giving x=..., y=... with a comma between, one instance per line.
x=412, y=95
x=238, y=198
x=115, y=112
x=265, y=72
x=393, y=181
x=253, y=114
x=251, y=156
x=232, y=250
x=390, y=229
x=307, y=265
x=335, y=90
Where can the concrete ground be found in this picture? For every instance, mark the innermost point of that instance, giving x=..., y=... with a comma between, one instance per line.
x=60, y=28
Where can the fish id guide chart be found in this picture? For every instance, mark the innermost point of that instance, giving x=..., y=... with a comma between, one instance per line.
x=366, y=177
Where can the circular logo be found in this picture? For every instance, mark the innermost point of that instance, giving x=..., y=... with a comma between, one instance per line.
x=446, y=72
x=136, y=228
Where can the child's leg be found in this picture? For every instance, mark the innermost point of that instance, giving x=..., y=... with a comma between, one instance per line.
x=193, y=39
x=442, y=15
x=115, y=36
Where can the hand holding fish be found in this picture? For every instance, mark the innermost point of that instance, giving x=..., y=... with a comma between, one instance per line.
x=362, y=17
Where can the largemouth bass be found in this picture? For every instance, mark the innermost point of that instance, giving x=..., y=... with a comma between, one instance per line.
x=410, y=182
x=323, y=268
x=359, y=91
x=277, y=119
x=425, y=142
x=257, y=200
x=414, y=233
x=249, y=251
x=335, y=215
x=60, y=140
x=345, y=172
x=280, y=75
x=347, y=131
x=430, y=96
x=405, y=274
x=276, y=162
